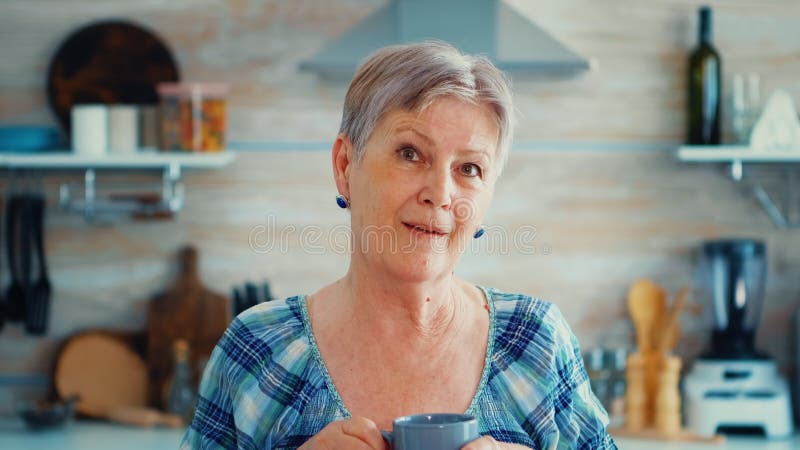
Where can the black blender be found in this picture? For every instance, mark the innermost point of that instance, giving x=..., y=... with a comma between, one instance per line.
x=733, y=387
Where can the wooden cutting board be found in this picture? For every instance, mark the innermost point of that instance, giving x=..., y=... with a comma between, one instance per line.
x=109, y=377
x=108, y=62
x=185, y=310
x=104, y=371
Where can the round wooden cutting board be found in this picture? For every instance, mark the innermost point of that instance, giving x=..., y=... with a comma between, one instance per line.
x=103, y=371
x=108, y=62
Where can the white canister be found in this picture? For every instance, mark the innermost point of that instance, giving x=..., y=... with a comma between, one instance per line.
x=123, y=129
x=89, y=130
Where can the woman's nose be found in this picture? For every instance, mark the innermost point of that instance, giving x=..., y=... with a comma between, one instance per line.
x=439, y=189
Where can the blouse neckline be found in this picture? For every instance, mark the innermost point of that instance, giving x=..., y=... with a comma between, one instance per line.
x=332, y=387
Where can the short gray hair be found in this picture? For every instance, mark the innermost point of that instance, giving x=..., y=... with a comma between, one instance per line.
x=410, y=77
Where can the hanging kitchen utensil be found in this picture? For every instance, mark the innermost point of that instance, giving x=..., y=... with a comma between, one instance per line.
x=18, y=254
x=186, y=310
x=12, y=242
x=38, y=301
x=113, y=62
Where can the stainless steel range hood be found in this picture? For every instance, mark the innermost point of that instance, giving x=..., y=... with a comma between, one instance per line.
x=488, y=27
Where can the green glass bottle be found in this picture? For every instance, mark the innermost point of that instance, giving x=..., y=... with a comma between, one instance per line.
x=705, y=87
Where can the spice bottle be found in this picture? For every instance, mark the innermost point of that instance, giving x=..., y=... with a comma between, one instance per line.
x=182, y=394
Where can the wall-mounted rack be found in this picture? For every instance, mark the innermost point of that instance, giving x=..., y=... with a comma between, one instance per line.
x=739, y=157
x=171, y=166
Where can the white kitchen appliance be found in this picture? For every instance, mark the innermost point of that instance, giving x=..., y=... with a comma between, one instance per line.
x=737, y=396
x=732, y=387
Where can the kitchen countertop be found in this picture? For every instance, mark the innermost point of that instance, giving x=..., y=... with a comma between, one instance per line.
x=735, y=443
x=87, y=435
x=82, y=435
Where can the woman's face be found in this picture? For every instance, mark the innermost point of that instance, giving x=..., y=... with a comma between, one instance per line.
x=420, y=192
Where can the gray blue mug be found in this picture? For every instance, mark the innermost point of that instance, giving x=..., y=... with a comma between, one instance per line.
x=432, y=432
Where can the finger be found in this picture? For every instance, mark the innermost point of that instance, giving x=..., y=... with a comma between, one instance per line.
x=482, y=443
x=332, y=437
x=339, y=441
x=366, y=431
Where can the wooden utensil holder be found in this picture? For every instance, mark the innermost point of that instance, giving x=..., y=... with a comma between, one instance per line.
x=653, y=401
x=652, y=396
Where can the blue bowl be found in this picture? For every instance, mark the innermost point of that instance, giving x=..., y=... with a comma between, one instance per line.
x=28, y=139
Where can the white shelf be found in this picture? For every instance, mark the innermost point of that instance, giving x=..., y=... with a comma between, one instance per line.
x=144, y=160
x=734, y=153
x=779, y=208
x=171, y=164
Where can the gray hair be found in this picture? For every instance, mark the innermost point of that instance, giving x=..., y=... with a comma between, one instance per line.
x=410, y=77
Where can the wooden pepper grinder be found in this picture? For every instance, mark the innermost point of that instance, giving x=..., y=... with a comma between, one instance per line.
x=668, y=398
x=636, y=404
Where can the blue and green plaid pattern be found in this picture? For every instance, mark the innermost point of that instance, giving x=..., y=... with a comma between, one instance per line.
x=266, y=387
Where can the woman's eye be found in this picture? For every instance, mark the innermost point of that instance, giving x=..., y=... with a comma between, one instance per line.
x=471, y=170
x=409, y=154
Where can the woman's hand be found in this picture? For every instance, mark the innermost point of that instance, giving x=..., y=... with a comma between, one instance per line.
x=488, y=443
x=357, y=433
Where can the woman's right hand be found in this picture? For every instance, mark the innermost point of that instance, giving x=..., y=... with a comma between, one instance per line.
x=356, y=433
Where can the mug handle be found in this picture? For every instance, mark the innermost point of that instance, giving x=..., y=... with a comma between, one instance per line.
x=388, y=437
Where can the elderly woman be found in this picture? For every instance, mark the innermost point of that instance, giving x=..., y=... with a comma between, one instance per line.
x=424, y=136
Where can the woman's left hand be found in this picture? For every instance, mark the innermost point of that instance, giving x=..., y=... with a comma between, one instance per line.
x=483, y=443
x=488, y=443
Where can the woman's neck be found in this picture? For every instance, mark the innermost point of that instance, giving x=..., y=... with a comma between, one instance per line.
x=388, y=308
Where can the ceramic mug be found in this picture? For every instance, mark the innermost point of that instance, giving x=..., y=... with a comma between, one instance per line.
x=432, y=432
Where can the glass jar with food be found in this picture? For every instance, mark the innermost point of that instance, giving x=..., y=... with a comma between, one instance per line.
x=193, y=116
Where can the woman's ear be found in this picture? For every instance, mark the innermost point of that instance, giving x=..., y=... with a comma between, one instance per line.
x=342, y=161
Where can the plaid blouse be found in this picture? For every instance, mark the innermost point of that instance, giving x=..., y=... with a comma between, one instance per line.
x=266, y=386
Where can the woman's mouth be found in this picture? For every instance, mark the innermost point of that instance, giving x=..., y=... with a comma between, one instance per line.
x=423, y=230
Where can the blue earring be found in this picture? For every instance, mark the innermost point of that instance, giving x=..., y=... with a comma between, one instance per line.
x=342, y=202
x=479, y=233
